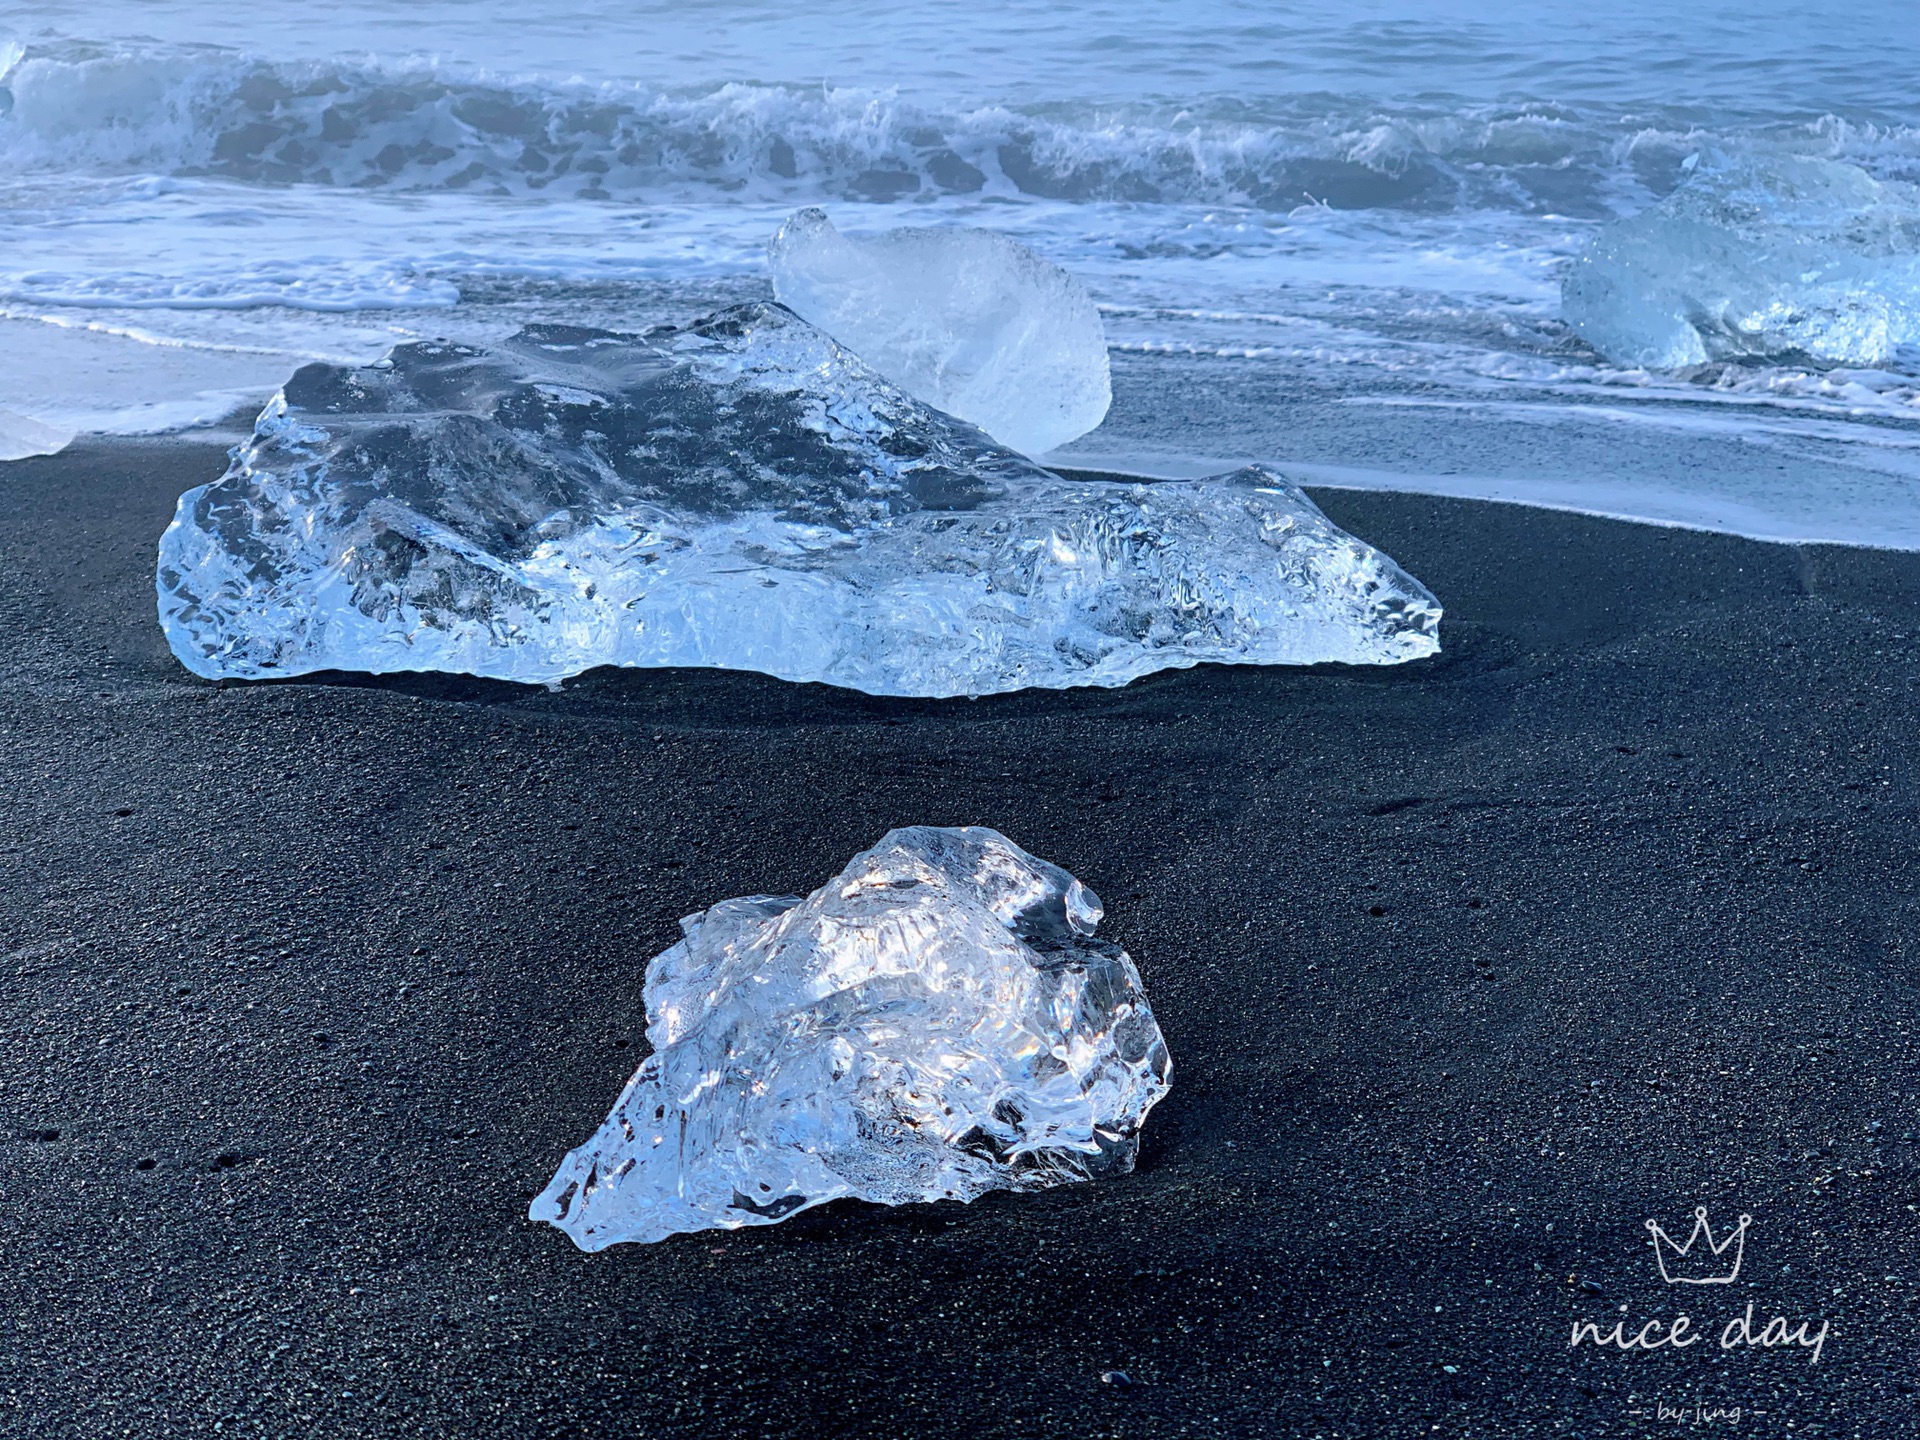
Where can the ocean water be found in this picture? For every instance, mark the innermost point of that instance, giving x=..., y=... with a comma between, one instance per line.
x=1330, y=237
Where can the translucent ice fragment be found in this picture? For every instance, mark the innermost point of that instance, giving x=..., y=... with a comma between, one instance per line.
x=22, y=435
x=1778, y=257
x=935, y=1022
x=742, y=493
x=969, y=321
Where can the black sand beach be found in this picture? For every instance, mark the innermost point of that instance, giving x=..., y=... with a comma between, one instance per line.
x=1468, y=968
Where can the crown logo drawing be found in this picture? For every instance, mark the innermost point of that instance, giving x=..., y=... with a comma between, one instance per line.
x=1702, y=1260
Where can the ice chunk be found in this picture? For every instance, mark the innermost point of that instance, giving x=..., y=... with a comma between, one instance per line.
x=1777, y=257
x=969, y=321
x=935, y=1022
x=743, y=493
x=22, y=435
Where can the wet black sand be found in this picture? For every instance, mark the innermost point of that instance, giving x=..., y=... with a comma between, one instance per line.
x=1467, y=967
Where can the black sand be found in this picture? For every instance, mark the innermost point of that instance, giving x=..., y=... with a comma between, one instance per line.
x=1468, y=968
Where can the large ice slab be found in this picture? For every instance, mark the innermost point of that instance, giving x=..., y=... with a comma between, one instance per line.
x=742, y=493
x=969, y=321
x=1776, y=257
x=935, y=1022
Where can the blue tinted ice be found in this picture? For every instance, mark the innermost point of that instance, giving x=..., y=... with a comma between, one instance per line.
x=743, y=493
x=935, y=1022
x=1779, y=257
x=971, y=322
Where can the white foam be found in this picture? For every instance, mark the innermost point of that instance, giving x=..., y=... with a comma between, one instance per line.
x=661, y=131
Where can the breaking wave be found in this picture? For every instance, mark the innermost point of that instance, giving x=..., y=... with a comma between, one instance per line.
x=217, y=113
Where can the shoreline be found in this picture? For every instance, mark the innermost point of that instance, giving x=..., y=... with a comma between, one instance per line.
x=1674, y=481
x=1468, y=967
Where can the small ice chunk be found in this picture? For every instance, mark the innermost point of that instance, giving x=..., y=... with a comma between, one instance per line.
x=743, y=493
x=1755, y=258
x=969, y=321
x=22, y=435
x=935, y=1022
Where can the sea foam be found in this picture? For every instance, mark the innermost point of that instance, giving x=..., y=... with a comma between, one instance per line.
x=413, y=126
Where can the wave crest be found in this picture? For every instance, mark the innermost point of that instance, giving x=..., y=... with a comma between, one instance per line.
x=224, y=114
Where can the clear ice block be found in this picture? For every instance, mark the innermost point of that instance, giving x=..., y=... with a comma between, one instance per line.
x=1772, y=258
x=968, y=321
x=937, y=1021
x=744, y=493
